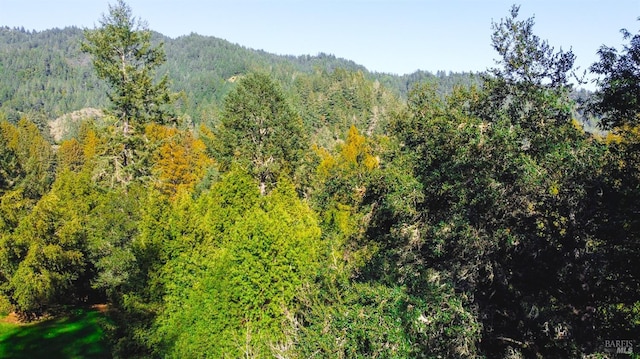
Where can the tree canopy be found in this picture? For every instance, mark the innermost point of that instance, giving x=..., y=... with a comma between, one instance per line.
x=298, y=207
x=260, y=130
x=619, y=84
x=124, y=56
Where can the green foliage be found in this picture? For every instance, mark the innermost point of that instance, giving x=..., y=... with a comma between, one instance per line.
x=342, y=175
x=504, y=197
x=112, y=226
x=47, y=75
x=237, y=291
x=260, y=131
x=225, y=204
x=341, y=180
x=375, y=321
x=333, y=101
x=26, y=162
x=44, y=73
x=465, y=222
x=616, y=100
x=530, y=72
x=180, y=160
x=524, y=58
x=10, y=169
x=616, y=242
x=123, y=55
x=49, y=247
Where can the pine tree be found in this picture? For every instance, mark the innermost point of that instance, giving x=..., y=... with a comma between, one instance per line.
x=125, y=58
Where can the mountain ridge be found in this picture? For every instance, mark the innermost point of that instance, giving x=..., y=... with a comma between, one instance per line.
x=45, y=76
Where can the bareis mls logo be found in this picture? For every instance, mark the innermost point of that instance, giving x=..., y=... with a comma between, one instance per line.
x=619, y=346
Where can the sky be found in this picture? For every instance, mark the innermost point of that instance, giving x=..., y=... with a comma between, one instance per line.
x=393, y=36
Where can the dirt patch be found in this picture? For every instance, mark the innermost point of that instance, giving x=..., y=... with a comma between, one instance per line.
x=61, y=126
x=12, y=318
x=102, y=308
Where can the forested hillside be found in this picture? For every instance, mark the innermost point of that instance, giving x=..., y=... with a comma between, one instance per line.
x=45, y=75
x=224, y=202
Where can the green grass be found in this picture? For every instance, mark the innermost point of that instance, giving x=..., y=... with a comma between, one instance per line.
x=74, y=335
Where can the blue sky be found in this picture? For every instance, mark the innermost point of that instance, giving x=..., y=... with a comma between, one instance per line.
x=398, y=36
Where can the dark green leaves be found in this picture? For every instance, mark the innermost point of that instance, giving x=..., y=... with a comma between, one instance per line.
x=260, y=130
x=618, y=98
x=124, y=56
x=526, y=58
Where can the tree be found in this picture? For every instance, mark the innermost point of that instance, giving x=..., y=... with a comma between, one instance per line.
x=230, y=294
x=524, y=57
x=71, y=155
x=26, y=159
x=47, y=253
x=260, y=130
x=10, y=169
x=617, y=102
x=618, y=98
x=123, y=55
x=505, y=226
x=530, y=86
x=180, y=159
x=501, y=204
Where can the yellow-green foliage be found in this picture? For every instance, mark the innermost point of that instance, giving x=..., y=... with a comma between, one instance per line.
x=230, y=295
x=342, y=178
x=5, y=305
x=48, y=245
x=180, y=159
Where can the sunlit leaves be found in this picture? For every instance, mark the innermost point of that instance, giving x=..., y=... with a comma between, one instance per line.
x=180, y=160
x=235, y=290
x=50, y=247
x=71, y=155
x=344, y=174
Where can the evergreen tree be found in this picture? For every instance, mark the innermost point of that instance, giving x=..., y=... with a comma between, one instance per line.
x=230, y=294
x=125, y=58
x=500, y=206
x=260, y=130
x=530, y=87
x=617, y=99
x=47, y=253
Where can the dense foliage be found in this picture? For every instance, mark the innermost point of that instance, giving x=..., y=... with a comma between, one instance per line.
x=303, y=207
x=46, y=75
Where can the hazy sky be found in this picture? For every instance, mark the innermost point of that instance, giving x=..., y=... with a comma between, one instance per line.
x=398, y=36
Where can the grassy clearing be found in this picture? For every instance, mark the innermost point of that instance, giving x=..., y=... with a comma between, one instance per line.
x=75, y=335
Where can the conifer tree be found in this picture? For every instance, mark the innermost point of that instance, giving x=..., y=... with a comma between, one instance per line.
x=260, y=130
x=124, y=56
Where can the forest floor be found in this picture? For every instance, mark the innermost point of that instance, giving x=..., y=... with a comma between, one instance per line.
x=76, y=333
